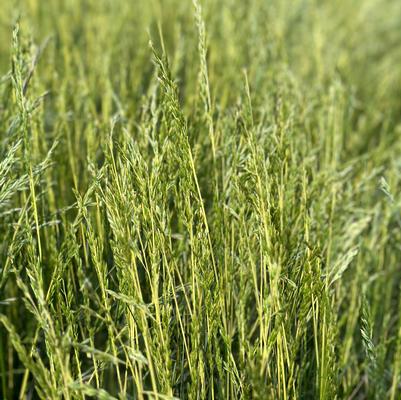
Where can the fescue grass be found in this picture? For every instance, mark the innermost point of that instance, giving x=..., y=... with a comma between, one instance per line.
x=200, y=200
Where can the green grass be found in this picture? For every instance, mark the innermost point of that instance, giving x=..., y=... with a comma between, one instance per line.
x=200, y=200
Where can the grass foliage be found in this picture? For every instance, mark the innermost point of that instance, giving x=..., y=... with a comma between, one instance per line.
x=200, y=200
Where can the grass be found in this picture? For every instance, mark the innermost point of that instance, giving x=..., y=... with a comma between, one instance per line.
x=200, y=200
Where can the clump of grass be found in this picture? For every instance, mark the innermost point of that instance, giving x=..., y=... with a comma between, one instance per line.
x=211, y=213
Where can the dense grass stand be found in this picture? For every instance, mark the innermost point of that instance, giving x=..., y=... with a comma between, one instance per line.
x=200, y=200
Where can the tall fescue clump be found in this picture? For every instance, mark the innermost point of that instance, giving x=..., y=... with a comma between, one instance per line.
x=200, y=200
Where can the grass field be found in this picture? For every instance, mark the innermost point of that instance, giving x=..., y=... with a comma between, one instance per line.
x=200, y=200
